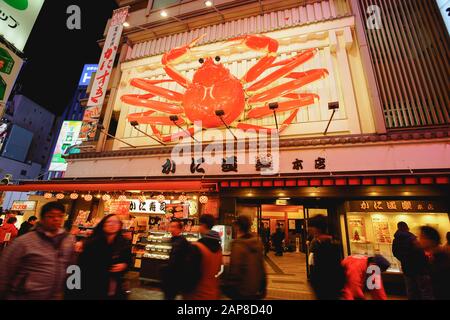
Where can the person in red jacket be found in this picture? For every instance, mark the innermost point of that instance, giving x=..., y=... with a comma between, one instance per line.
x=357, y=274
x=8, y=231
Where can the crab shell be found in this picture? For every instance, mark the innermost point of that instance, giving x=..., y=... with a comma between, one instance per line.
x=213, y=88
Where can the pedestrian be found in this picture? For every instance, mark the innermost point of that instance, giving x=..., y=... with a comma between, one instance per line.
x=104, y=260
x=357, y=271
x=34, y=266
x=265, y=237
x=247, y=276
x=8, y=231
x=327, y=275
x=26, y=226
x=406, y=249
x=439, y=259
x=277, y=239
x=210, y=255
x=173, y=274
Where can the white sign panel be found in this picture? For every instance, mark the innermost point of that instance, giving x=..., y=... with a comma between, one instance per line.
x=106, y=64
x=23, y=206
x=149, y=206
x=17, y=18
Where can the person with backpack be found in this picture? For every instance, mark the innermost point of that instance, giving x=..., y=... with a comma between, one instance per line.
x=327, y=275
x=174, y=274
x=209, y=257
x=247, y=278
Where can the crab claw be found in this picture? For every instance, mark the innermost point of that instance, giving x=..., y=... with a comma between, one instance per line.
x=176, y=54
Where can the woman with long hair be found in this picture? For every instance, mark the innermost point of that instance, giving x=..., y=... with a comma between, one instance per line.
x=104, y=261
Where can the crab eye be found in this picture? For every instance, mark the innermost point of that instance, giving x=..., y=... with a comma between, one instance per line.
x=217, y=58
x=201, y=60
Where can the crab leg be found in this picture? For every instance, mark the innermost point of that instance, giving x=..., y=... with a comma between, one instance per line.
x=285, y=88
x=175, y=56
x=258, y=43
x=143, y=101
x=149, y=85
x=291, y=64
x=303, y=99
x=284, y=125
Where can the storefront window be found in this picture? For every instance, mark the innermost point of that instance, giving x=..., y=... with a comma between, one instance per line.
x=159, y=4
x=372, y=232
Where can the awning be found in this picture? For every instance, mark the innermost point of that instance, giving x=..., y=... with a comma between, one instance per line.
x=111, y=186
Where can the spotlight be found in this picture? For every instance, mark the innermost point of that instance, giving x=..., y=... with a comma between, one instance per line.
x=163, y=14
x=126, y=24
x=208, y=3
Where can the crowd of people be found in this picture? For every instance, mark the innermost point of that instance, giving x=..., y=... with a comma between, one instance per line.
x=34, y=264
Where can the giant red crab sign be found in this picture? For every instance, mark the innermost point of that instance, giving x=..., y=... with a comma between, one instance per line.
x=214, y=88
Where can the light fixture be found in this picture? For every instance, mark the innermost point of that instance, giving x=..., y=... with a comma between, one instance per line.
x=163, y=14
x=142, y=198
x=88, y=197
x=209, y=3
x=60, y=196
x=203, y=199
x=160, y=198
x=182, y=198
x=126, y=24
x=122, y=197
x=74, y=196
x=106, y=197
x=194, y=197
x=98, y=196
x=48, y=195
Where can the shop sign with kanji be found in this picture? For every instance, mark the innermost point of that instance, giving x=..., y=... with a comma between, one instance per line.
x=396, y=206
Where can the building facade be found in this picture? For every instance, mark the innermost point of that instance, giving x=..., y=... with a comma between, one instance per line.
x=366, y=144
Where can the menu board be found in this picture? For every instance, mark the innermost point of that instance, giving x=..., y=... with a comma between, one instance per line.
x=357, y=229
x=381, y=230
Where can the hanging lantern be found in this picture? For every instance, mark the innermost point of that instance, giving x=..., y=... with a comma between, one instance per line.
x=74, y=196
x=60, y=196
x=160, y=198
x=88, y=197
x=122, y=197
x=203, y=199
x=48, y=195
x=182, y=198
x=106, y=197
x=142, y=198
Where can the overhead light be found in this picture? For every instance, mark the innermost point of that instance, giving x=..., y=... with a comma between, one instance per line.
x=163, y=13
x=208, y=3
x=126, y=24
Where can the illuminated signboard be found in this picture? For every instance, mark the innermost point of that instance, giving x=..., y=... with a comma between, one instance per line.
x=68, y=137
x=17, y=18
x=86, y=76
x=444, y=6
x=23, y=206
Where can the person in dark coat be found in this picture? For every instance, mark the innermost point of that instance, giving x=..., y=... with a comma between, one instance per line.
x=439, y=259
x=277, y=239
x=105, y=259
x=406, y=249
x=172, y=274
x=327, y=274
x=265, y=238
x=26, y=226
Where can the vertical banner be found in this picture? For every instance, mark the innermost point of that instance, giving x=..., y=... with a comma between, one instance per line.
x=103, y=75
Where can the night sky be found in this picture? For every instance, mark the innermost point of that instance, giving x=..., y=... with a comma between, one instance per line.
x=56, y=55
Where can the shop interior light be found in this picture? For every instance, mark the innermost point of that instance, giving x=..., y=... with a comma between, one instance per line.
x=161, y=198
x=194, y=197
x=106, y=197
x=74, y=196
x=88, y=197
x=203, y=199
x=163, y=14
x=98, y=195
x=209, y=3
x=60, y=196
x=126, y=24
x=48, y=195
x=182, y=198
